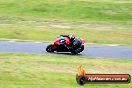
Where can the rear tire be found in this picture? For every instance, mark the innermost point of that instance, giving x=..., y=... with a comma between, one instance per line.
x=82, y=48
x=75, y=51
x=49, y=48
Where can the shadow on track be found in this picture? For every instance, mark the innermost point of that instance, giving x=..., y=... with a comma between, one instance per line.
x=65, y=53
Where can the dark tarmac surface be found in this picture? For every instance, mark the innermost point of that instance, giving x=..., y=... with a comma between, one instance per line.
x=123, y=52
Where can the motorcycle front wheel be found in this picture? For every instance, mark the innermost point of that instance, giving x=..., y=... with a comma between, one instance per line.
x=49, y=48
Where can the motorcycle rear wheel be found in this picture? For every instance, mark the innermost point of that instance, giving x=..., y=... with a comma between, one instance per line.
x=81, y=48
x=75, y=51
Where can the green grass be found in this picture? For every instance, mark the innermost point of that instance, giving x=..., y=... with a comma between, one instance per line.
x=100, y=22
x=91, y=36
x=71, y=10
x=56, y=71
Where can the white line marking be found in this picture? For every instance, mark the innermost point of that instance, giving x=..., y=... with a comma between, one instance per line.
x=19, y=40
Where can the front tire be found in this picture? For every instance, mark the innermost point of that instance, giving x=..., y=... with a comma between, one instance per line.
x=49, y=48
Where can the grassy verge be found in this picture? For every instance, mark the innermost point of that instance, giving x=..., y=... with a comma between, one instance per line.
x=98, y=22
x=70, y=10
x=91, y=36
x=56, y=71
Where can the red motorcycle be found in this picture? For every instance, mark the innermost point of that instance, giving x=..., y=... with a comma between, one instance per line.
x=59, y=45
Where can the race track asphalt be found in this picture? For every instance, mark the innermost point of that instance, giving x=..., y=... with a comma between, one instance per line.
x=105, y=51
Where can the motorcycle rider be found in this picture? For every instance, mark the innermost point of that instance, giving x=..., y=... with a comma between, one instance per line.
x=75, y=42
x=66, y=43
x=71, y=41
x=66, y=38
x=70, y=37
